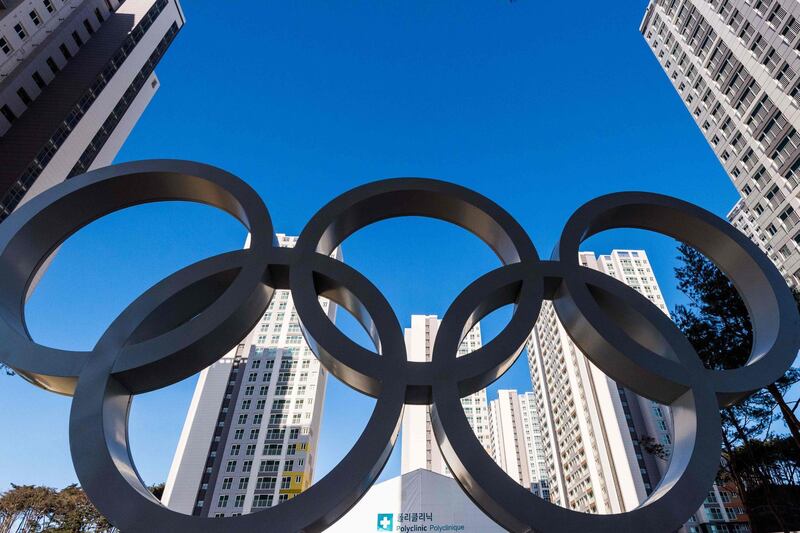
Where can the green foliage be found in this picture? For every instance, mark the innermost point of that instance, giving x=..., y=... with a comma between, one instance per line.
x=654, y=448
x=717, y=324
x=762, y=467
x=35, y=509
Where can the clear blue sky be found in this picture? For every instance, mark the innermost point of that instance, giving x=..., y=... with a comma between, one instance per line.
x=539, y=108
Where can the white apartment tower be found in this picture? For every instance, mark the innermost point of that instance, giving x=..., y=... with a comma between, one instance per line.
x=517, y=445
x=595, y=434
x=534, y=444
x=75, y=76
x=251, y=433
x=508, y=447
x=735, y=65
x=419, y=447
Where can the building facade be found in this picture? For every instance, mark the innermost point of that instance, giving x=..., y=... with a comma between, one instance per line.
x=508, y=446
x=419, y=447
x=532, y=427
x=735, y=65
x=75, y=76
x=606, y=448
x=594, y=432
x=516, y=440
x=251, y=433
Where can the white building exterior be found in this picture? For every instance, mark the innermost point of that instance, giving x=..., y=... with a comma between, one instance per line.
x=251, y=433
x=592, y=429
x=419, y=448
x=735, y=65
x=420, y=500
x=509, y=449
x=532, y=428
x=75, y=76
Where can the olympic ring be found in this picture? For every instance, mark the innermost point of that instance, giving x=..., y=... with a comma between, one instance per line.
x=183, y=324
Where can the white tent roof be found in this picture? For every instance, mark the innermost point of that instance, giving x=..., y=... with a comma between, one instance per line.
x=419, y=501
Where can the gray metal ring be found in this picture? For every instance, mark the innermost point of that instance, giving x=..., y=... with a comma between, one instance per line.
x=37, y=228
x=695, y=458
x=185, y=322
x=99, y=437
x=771, y=306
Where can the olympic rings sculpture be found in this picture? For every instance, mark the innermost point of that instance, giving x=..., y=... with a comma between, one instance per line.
x=185, y=322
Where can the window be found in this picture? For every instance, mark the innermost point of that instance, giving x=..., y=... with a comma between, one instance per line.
x=223, y=501
x=77, y=39
x=239, y=501
x=254, y=434
x=88, y=26
x=65, y=52
x=21, y=33
x=793, y=174
x=758, y=175
x=786, y=147
x=272, y=449
x=785, y=76
x=4, y=46
x=247, y=466
x=770, y=60
x=238, y=434
x=231, y=466
x=772, y=129
x=226, y=483
x=266, y=483
x=242, y=419
x=35, y=18
x=262, y=500
x=23, y=96
x=8, y=114
x=245, y=404
x=37, y=79
x=98, y=15
x=52, y=64
x=777, y=15
x=235, y=449
x=713, y=512
x=791, y=30
x=243, y=483
x=48, y=5
x=789, y=217
x=251, y=449
x=747, y=97
x=268, y=466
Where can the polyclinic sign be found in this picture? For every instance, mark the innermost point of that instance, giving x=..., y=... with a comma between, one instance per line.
x=416, y=522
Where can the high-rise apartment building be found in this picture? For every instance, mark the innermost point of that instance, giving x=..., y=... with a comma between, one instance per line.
x=508, y=447
x=516, y=440
x=532, y=427
x=251, y=433
x=735, y=64
x=594, y=431
x=75, y=76
x=419, y=447
x=606, y=448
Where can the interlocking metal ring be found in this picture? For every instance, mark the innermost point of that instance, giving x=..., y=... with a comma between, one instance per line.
x=185, y=322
